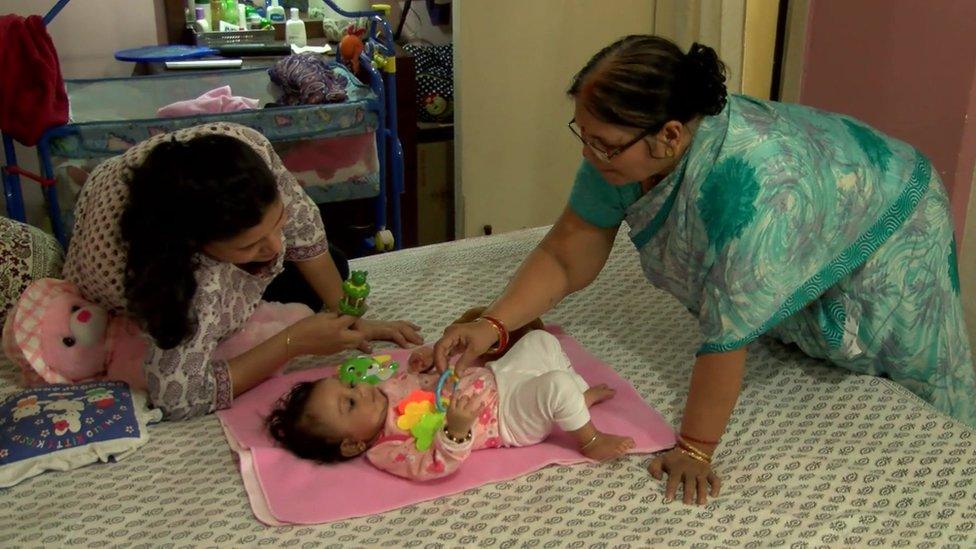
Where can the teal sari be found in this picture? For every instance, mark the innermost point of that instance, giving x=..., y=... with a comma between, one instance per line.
x=810, y=227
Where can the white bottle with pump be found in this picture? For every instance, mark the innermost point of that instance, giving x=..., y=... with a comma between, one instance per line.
x=276, y=13
x=295, y=30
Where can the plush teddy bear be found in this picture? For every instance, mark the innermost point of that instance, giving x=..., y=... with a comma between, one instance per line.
x=57, y=336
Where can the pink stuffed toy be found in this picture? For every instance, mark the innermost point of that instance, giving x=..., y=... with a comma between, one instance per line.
x=57, y=336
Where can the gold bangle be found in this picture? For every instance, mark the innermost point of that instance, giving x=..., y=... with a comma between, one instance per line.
x=691, y=451
x=692, y=448
x=694, y=456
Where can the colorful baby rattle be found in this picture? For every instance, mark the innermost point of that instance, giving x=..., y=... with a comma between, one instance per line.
x=438, y=401
x=367, y=369
x=355, y=290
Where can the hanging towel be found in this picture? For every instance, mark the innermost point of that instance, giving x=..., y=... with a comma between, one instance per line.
x=32, y=94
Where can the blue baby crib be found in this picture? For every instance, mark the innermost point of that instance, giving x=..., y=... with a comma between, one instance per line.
x=338, y=151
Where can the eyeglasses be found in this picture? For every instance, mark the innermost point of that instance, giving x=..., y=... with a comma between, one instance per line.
x=605, y=156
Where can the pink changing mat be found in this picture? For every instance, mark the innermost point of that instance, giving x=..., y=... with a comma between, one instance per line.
x=284, y=489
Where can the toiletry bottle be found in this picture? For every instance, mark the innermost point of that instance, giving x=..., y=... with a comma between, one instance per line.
x=295, y=30
x=276, y=13
x=216, y=9
x=228, y=11
x=205, y=4
x=242, y=17
x=202, y=24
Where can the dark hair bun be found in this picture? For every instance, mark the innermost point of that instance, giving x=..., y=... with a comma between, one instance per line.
x=703, y=79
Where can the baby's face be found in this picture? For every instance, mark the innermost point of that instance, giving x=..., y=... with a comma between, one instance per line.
x=344, y=411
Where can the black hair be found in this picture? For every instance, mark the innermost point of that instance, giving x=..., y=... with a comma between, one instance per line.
x=292, y=428
x=183, y=196
x=644, y=81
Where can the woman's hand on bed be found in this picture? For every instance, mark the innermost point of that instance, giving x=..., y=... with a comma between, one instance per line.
x=696, y=479
x=470, y=340
x=401, y=332
x=323, y=334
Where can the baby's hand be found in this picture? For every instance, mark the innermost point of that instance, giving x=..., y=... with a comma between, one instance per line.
x=421, y=359
x=462, y=413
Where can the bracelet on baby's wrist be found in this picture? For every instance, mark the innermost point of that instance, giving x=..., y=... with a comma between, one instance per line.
x=462, y=440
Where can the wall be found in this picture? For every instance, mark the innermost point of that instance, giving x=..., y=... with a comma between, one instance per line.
x=794, y=50
x=906, y=67
x=86, y=34
x=514, y=60
x=743, y=32
x=759, y=45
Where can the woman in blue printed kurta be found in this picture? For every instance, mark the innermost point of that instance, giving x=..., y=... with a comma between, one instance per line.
x=761, y=218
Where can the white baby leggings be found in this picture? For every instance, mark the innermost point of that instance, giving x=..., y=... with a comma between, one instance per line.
x=537, y=388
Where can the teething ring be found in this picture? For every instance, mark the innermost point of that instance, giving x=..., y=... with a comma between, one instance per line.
x=440, y=387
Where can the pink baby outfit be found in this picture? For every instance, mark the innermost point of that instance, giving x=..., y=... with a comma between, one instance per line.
x=526, y=392
x=396, y=451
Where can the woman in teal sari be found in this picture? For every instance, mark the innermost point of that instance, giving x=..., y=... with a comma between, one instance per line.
x=761, y=218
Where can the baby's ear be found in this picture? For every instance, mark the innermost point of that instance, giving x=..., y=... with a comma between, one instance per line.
x=351, y=448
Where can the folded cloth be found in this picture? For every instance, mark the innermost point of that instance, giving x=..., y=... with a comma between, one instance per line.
x=32, y=94
x=307, y=79
x=217, y=100
x=284, y=489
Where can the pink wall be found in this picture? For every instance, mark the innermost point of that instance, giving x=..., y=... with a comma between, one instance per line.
x=908, y=68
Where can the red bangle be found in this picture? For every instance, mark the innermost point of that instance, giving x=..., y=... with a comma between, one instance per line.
x=698, y=440
x=502, y=334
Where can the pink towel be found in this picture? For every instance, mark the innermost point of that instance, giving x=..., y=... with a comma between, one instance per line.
x=218, y=100
x=286, y=490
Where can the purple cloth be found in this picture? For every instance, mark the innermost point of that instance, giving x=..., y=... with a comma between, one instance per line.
x=307, y=79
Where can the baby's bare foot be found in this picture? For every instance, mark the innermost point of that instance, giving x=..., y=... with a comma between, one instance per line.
x=607, y=447
x=597, y=394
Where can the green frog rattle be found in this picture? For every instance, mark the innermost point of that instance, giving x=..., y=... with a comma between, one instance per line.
x=355, y=290
x=367, y=369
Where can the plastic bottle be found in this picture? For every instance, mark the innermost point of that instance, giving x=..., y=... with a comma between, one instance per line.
x=228, y=11
x=216, y=9
x=276, y=13
x=295, y=30
x=203, y=25
x=198, y=4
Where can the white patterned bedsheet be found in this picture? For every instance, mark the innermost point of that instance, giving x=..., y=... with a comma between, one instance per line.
x=814, y=457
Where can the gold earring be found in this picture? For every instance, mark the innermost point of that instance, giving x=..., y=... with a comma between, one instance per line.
x=669, y=152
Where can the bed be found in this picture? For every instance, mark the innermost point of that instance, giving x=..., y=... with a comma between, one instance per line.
x=813, y=456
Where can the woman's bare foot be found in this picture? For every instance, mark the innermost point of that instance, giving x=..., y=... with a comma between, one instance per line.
x=607, y=447
x=596, y=395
